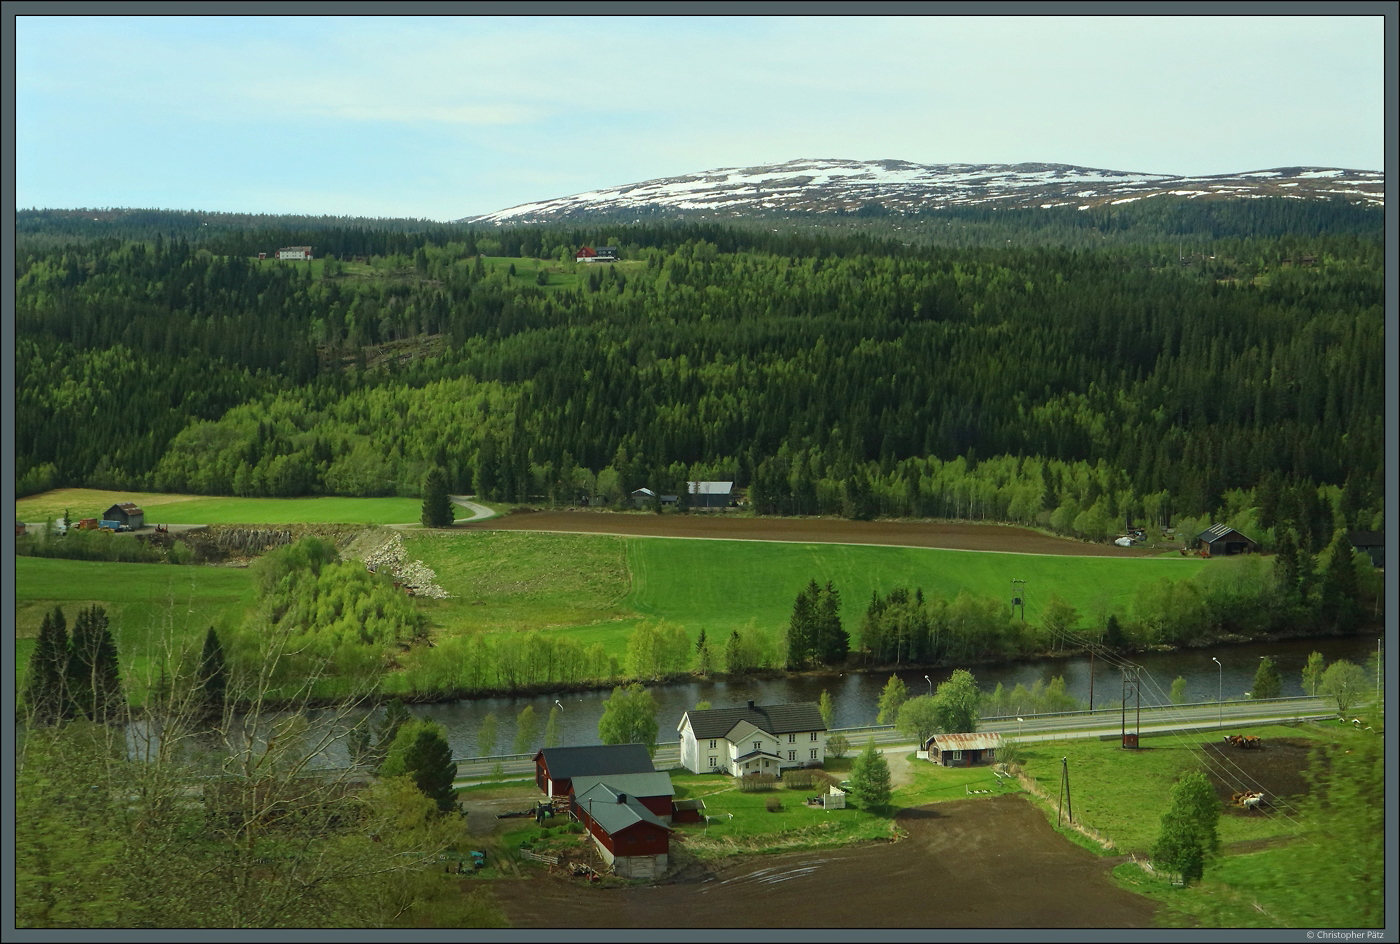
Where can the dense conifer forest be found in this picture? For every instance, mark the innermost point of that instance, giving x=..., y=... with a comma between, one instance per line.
x=1157, y=363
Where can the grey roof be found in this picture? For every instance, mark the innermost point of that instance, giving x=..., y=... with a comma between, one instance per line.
x=597, y=759
x=1217, y=531
x=773, y=719
x=613, y=816
x=710, y=488
x=1366, y=538
x=642, y=785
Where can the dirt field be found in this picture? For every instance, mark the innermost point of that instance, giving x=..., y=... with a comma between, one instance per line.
x=982, y=863
x=1276, y=767
x=958, y=537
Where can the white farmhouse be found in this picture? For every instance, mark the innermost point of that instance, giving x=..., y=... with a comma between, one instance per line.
x=755, y=739
x=295, y=252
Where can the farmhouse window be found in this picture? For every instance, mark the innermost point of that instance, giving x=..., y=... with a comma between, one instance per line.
x=792, y=755
x=765, y=763
x=957, y=755
x=758, y=745
x=814, y=735
x=712, y=743
x=712, y=761
x=792, y=739
x=814, y=753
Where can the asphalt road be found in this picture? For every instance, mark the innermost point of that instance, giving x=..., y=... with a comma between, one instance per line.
x=1102, y=722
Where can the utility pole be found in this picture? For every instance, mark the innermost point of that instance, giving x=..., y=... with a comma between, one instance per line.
x=1064, y=792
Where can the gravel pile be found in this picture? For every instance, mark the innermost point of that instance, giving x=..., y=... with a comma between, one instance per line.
x=390, y=558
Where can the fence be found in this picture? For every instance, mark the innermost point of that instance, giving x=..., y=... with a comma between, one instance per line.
x=1033, y=787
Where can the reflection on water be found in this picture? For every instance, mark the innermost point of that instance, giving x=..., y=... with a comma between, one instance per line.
x=856, y=694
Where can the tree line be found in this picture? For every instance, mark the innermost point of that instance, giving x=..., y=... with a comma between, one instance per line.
x=825, y=373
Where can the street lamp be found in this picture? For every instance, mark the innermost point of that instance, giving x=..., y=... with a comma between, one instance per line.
x=930, y=684
x=1219, y=688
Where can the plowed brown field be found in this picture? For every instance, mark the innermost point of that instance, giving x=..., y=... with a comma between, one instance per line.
x=982, y=863
x=958, y=537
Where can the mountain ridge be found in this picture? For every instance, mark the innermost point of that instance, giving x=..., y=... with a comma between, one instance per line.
x=830, y=185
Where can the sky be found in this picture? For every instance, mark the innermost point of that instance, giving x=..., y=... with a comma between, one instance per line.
x=447, y=117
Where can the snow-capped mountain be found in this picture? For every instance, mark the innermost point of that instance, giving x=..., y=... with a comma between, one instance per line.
x=899, y=186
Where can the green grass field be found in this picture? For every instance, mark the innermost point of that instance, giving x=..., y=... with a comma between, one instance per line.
x=596, y=588
x=1123, y=794
x=199, y=509
x=724, y=585
x=149, y=606
x=599, y=587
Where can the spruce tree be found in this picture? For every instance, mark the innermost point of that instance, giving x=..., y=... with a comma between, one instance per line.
x=420, y=752
x=832, y=641
x=45, y=688
x=92, y=674
x=213, y=676
x=870, y=778
x=801, y=634
x=437, y=506
x=1339, y=585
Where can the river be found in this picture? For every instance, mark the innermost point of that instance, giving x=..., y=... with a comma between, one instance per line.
x=855, y=694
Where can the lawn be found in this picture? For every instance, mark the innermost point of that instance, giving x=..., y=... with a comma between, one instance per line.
x=148, y=606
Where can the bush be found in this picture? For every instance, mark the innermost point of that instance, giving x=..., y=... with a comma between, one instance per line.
x=773, y=805
x=799, y=779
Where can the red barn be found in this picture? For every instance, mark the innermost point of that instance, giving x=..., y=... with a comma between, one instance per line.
x=555, y=767
x=653, y=790
x=630, y=838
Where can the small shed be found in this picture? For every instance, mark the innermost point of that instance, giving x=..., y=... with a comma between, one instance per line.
x=127, y=513
x=963, y=750
x=642, y=497
x=1222, y=541
x=1372, y=543
x=687, y=811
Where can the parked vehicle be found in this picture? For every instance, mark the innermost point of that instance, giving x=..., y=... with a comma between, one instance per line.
x=60, y=526
x=110, y=525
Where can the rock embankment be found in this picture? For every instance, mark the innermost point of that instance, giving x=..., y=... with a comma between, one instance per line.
x=390, y=556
